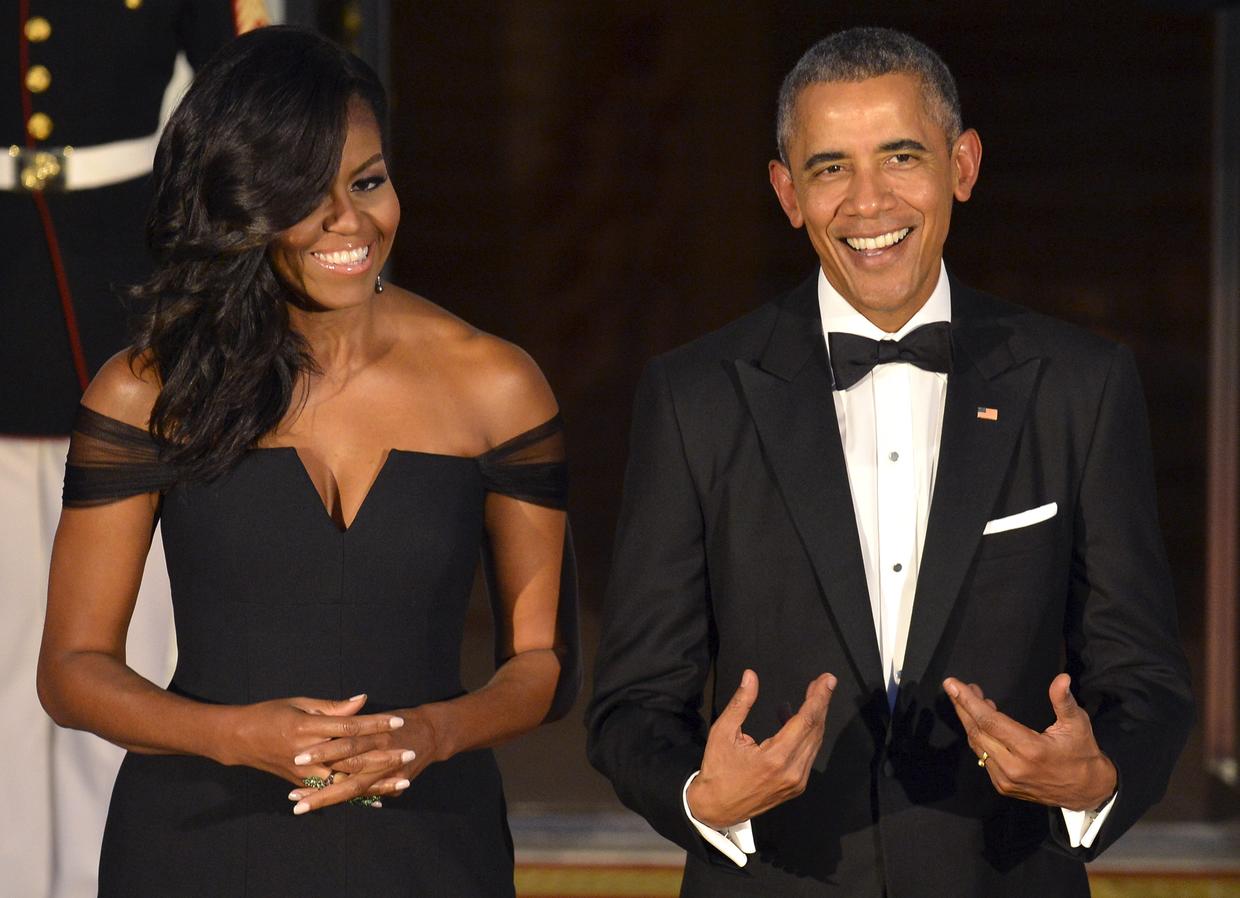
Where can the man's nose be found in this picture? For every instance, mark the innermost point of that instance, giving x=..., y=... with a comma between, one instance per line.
x=868, y=193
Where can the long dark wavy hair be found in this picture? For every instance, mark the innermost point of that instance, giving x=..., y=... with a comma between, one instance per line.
x=250, y=151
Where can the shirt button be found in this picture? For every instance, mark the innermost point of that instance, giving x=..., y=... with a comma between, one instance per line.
x=895, y=456
x=897, y=567
x=38, y=29
x=38, y=79
x=39, y=126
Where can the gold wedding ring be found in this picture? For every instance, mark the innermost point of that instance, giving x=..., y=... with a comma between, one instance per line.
x=981, y=762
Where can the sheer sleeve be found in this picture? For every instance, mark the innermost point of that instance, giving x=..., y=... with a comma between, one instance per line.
x=530, y=466
x=111, y=460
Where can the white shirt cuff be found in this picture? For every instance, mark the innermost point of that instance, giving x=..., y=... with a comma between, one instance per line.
x=1083, y=826
x=736, y=842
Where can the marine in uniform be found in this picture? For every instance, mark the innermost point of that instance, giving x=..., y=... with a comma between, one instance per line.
x=79, y=121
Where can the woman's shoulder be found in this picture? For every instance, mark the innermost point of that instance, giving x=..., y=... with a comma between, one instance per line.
x=125, y=389
x=495, y=379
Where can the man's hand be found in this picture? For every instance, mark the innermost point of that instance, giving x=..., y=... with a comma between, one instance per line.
x=1061, y=766
x=741, y=778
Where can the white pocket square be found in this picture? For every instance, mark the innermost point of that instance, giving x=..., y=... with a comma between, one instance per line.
x=1022, y=518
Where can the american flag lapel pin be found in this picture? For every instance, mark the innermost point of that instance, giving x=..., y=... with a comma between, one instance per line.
x=985, y=413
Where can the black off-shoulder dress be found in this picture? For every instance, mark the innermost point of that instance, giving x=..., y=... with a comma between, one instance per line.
x=273, y=600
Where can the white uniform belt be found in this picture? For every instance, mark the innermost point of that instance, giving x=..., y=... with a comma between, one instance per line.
x=77, y=168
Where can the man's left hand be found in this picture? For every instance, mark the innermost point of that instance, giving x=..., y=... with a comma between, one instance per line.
x=1062, y=766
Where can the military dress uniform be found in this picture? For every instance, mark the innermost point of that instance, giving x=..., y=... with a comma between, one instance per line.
x=83, y=83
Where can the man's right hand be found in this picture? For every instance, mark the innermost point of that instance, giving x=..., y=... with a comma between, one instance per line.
x=741, y=778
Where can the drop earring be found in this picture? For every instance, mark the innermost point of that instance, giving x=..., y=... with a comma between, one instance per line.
x=378, y=283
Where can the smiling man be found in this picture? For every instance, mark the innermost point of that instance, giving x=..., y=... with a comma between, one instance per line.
x=921, y=519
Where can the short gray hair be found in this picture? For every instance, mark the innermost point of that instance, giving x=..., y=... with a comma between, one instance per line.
x=861, y=53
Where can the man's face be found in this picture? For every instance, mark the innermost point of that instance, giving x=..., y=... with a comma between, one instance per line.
x=872, y=178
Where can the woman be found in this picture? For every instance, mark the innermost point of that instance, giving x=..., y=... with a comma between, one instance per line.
x=327, y=455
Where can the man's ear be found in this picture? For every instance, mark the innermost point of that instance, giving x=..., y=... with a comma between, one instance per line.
x=785, y=192
x=966, y=163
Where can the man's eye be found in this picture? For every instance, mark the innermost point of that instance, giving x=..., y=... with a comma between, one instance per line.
x=902, y=158
x=365, y=185
x=833, y=169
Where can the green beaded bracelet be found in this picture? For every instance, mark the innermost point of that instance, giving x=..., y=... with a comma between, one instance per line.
x=317, y=782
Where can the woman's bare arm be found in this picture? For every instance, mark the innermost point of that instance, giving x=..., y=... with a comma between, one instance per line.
x=83, y=680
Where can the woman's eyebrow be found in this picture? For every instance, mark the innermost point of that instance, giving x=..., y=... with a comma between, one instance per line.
x=368, y=163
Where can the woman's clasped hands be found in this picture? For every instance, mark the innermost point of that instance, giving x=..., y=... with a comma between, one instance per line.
x=332, y=753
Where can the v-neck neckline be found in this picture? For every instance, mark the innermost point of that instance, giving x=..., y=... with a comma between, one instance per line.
x=342, y=527
x=374, y=483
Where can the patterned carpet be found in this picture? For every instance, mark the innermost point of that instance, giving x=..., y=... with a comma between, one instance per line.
x=616, y=855
x=569, y=881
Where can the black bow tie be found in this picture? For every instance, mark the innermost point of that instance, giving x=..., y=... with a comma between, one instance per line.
x=852, y=357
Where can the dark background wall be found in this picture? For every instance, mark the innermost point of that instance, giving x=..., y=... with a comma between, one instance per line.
x=589, y=181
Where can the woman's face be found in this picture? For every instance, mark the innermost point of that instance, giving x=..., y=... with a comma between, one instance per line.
x=332, y=256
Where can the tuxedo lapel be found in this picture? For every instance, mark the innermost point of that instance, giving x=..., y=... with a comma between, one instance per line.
x=789, y=397
x=987, y=400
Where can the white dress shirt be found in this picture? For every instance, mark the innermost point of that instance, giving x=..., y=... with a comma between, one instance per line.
x=891, y=425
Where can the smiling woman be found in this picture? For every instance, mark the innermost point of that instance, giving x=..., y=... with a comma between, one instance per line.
x=326, y=255
x=250, y=165
x=329, y=459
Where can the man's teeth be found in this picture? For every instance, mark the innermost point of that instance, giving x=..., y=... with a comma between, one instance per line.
x=344, y=257
x=882, y=241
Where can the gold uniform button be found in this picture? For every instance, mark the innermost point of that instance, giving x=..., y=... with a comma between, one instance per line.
x=38, y=79
x=39, y=126
x=38, y=29
x=132, y=4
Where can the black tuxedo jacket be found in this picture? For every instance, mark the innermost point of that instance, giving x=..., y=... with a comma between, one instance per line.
x=737, y=547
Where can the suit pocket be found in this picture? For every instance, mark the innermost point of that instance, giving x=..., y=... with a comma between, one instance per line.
x=1021, y=519
x=1018, y=540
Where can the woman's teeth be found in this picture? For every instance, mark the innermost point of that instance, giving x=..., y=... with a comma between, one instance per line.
x=344, y=257
x=882, y=241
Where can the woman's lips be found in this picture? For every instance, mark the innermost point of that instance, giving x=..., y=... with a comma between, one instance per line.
x=345, y=261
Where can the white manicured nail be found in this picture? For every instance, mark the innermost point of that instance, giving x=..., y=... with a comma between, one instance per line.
x=300, y=808
x=301, y=759
x=407, y=756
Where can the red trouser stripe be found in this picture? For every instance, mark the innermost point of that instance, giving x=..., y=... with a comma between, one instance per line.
x=62, y=286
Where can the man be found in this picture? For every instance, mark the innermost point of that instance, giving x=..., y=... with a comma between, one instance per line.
x=80, y=115
x=942, y=546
